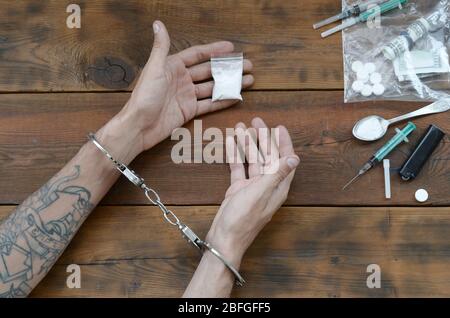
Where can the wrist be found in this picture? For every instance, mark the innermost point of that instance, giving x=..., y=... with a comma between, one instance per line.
x=219, y=278
x=230, y=251
x=150, y=135
x=216, y=266
x=121, y=137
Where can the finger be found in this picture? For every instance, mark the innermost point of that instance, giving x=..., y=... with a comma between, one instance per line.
x=267, y=141
x=254, y=157
x=161, y=45
x=286, y=148
x=285, y=166
x=235, y=160
x=281, y=192
x=241, y=137
x=262, y=135
x=247, y=141
x=202, y=53
x=202, y=72
x=204, y=90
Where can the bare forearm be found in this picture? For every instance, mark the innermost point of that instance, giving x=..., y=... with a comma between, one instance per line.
x=34, y=236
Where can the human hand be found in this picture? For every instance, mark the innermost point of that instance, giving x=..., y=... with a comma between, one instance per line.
x=174, y=89
x=251, y=202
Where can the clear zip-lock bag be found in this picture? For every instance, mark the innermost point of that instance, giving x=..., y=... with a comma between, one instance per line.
x=400, y=55
x=227, y=72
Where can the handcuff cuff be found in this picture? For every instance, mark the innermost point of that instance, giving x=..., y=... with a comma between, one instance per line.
x=169, y=216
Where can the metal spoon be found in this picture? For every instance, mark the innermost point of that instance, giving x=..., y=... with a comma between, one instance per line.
x=374, y=127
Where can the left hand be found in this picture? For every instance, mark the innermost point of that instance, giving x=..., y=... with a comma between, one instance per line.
x=251, y=202
x=174, y=89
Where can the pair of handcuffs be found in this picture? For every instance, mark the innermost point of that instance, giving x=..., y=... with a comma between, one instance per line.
x=153, y=197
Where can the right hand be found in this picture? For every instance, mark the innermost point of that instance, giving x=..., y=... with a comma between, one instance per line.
x=251, y=202
x=170, y=91
x=174, y=89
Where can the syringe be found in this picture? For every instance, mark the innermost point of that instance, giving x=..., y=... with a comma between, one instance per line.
x=351, y=11
x=385, y=150
x=365, y=16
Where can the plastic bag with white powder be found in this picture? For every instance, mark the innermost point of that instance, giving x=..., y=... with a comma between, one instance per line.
x=227, y=73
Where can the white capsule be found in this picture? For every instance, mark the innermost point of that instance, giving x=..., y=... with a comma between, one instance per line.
x=376, y=78
x=362, y=75
x=357, y=65
x=422, y=195
x=370, y=67
x=367, y=90
x=378, y=89
x=357, y=86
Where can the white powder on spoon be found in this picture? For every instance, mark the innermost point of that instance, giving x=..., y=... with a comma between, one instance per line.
x=370, y=129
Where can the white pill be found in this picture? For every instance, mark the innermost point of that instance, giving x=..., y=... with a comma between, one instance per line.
x=357, y=65
x=378, y=89
x=367, y=91
x=421, y=195
x=357, y=86
x=362, y=75
x=370, y=68
x=376, y=78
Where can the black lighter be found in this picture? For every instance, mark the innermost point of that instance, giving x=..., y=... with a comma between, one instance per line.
x=427, y=144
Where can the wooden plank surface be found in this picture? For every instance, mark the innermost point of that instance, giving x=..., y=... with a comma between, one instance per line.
x=303, y=252
x=128, y=251
x=39, y=133
x=39, y=53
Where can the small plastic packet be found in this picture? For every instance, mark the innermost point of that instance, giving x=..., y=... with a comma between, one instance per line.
x=227, y=72
x=402, y=55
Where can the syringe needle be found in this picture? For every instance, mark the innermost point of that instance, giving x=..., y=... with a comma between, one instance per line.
x=345, y=24
x=335, y=18
x=351, y=181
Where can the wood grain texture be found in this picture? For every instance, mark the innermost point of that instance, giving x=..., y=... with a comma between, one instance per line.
x=129, y=251
x=39, y=53
x=39, y=133
x=303, y=252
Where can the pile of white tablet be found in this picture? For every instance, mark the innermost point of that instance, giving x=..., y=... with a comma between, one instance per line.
x=368, y=80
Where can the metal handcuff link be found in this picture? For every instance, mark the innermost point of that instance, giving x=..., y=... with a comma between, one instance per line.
x=169, y=216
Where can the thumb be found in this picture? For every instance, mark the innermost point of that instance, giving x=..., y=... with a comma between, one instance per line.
x=161, y=44
x=285, y=166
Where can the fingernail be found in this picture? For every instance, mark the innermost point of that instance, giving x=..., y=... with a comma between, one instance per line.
x=293, y=162
x=156, y=27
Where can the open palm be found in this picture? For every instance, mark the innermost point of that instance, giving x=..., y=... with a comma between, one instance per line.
x=174, y=89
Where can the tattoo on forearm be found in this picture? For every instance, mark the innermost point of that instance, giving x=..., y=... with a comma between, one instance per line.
x=37, y=232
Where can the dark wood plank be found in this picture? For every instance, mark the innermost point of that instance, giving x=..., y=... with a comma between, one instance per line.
x=39, y=133
x=303, y=252
x=39, y=53
x=169, y=278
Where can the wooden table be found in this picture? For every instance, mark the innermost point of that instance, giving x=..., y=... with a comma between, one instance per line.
x=57, y=84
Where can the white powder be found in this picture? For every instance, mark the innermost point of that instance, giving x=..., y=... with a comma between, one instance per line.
x=227, y=73
x=370, y=128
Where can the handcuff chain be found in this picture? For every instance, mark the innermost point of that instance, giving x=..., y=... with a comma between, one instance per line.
x=156, y=201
